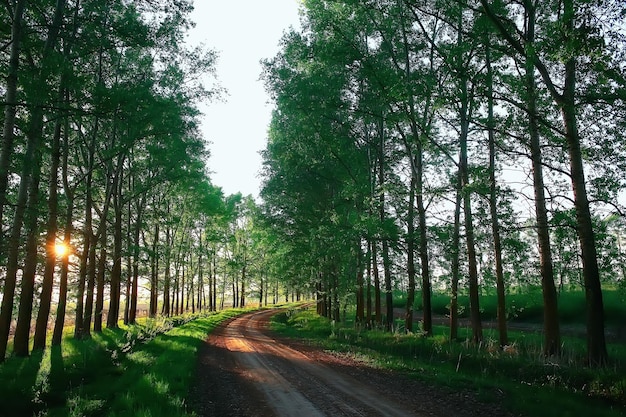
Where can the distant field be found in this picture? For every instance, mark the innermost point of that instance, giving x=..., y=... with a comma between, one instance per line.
x=527, y=306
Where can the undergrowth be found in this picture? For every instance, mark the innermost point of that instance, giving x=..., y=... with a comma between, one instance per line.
x=519, y=375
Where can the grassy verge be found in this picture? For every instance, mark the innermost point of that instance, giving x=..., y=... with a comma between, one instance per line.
x=528, y=384
x=143, y=370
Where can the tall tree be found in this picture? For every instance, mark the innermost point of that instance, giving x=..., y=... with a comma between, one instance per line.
x=8, y=132
x=570, y=33
x=30, y=170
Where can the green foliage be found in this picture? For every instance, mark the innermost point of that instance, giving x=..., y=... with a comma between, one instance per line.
x=517, y=375
x=141, y=370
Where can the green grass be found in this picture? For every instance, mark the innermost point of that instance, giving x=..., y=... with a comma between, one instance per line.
x=142, y=370
x=526, y=306
x=522, y=378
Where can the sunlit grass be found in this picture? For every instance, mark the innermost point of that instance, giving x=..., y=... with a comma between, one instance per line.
x=140, y=370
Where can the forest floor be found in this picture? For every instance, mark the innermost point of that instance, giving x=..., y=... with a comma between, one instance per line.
x=246, y=370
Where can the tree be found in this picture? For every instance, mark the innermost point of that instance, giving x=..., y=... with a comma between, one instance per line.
x=575, y=35
x=28, y=185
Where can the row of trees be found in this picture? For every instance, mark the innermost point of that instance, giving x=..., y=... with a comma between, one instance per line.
x=95, y=122
x=102, y=156
x=463, y=144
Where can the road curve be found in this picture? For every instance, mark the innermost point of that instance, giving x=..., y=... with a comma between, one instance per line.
x=243, y=371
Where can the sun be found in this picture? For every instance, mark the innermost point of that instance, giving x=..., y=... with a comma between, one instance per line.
x=61, y=249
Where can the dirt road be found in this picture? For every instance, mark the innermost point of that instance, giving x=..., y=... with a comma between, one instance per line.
x=243, y=370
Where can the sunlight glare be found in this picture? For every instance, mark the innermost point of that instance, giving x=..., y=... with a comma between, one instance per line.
x=61, y=249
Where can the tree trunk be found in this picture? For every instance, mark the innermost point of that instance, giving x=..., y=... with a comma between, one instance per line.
x=129, y=258
x=10, y=281
x=87, y=238
x=41, y=326
x=417, y=188
x=493, y=201
x=211, y=279
x=100, y=281
x=384, y=238
x=552, y=339
x=135, y=284
x=335, y=285
x=91, y=286
x=410, y=245
x=32, y=146
x=477, y=333
x=59, y=323
x=368, y=294
x=25, y=313
x=166, y=284
x=116, y=274
x=214, y=302
x=10, y=111
x=242, y=300
x=154, y=278
x=234, y=289
x=181, y=290
x=360, y=301
x=423, y=245
x=596, y=343
x=262, y=290
x=455, y=262
x=377, y=293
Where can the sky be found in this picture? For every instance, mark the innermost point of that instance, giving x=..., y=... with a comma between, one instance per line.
x=242, y=32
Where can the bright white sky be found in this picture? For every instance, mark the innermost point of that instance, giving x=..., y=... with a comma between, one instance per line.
x=243, y=32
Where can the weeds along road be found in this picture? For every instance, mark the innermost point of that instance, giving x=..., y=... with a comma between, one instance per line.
x=244, y=371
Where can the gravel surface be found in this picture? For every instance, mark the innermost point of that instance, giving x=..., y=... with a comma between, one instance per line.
x=246, y=370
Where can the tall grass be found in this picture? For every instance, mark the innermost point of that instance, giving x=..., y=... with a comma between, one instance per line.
x=142, y=370
x=531, y=384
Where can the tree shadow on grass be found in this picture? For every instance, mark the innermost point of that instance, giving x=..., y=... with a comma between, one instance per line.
x=18, y=379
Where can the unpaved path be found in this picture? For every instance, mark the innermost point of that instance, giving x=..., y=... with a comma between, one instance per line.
x=243, y=370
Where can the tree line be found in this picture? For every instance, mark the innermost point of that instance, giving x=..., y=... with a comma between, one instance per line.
x=471, y=146
x=102, y=156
